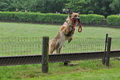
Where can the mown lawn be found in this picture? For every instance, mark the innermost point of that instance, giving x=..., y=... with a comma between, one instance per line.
x=85, y=70
x=26, y=39
x=102, y=74
x=40, y=30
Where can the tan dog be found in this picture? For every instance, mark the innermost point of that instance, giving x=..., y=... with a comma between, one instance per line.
x=66, y=32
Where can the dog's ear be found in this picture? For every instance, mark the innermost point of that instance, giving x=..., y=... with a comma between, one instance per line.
x=78, y=12
x=70, y=12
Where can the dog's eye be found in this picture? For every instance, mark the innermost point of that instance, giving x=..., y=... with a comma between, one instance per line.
x=75, y=16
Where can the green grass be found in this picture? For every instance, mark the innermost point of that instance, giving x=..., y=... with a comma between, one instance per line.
x=104, y=74
x=38, y=30
x=85, y=70
x=26, y=39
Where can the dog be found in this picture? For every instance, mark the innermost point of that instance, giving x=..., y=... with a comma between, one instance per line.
x=66, y=32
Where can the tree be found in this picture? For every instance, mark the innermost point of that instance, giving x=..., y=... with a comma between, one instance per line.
x=4, y=5
x=44, y=6
x=99, y=7
x=91, y=6
x=115, y=6
x=103, y=7
x=75, y=5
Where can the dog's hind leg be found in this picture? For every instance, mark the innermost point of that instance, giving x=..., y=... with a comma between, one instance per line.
x=52, y=46
x=51, y=50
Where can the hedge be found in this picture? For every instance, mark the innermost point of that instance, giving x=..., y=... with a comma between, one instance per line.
x=90, y=19
x=113, y=20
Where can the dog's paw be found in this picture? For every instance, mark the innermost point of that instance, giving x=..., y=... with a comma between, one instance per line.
x=69, y=40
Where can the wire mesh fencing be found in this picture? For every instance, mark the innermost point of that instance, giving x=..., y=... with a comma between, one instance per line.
x=33, y=45
x=115, y=45
x=84, y=45
x=20, y=46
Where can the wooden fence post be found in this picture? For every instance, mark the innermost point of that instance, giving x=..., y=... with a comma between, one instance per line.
x=108, y=51
x=66, y=63
x=45, y=57
x=104, y=55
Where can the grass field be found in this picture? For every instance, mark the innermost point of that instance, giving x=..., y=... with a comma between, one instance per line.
x=85, y=70
x=38, y=30
x=25, y=39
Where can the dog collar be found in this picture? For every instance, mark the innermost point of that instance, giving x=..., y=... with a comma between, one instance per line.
x=75, y=23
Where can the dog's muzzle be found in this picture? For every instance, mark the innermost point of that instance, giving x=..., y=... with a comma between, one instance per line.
x=76, y=20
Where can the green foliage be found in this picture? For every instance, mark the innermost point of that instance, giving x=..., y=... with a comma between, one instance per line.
x=113, y=20
x=115, y=6
x=75, y=5
x=92, y=19
x=44, y=6
x=32, y=17
x=102, y=7
x=94, y=6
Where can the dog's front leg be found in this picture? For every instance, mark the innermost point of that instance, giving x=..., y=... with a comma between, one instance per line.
x=58, y=50
x=69, y=40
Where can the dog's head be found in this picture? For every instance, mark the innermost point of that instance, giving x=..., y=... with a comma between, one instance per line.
x=74, y=16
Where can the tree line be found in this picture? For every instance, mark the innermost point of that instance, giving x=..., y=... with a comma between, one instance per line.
x=102, y=7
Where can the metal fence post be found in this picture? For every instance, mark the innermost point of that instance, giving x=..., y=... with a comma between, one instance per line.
x=45, y=57
x=108, y=51
x=104, y=55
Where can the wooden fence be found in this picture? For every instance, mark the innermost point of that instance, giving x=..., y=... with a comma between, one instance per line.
x=45, y=59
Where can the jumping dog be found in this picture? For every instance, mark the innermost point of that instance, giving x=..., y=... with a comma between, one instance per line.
x=66, y=32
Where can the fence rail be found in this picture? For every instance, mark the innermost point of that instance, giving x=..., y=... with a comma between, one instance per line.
x=36, y=59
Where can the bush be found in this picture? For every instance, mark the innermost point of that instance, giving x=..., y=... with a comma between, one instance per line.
x=113, y=20
x=90, y=19
x=5, y=16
